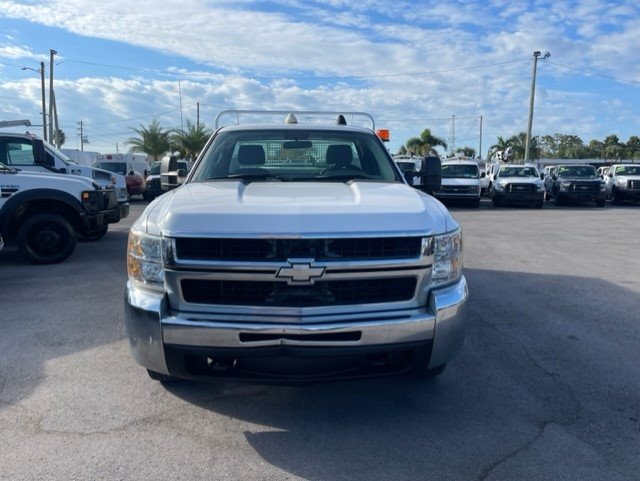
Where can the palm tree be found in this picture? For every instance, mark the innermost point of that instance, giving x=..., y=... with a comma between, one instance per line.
x=500, y=145
x=425, y=144
x=152, y=140
x=190, y=142
x=466, y=151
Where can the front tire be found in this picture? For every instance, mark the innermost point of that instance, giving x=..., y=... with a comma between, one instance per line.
x=46, y=239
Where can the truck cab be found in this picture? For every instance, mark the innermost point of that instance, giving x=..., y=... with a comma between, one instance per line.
x=460, y=182
x=29, y=153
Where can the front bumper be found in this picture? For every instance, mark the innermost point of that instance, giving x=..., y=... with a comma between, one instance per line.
x=518, y=197
x=100, y=208
x=628, y=194
x=180, y=344
x=581, y=197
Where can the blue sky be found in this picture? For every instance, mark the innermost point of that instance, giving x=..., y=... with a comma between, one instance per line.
x=412, y=65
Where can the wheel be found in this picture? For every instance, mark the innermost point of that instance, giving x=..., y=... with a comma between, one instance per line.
x=558, y=200
x=156, y=376
x=615, y=198
x=538, y=204
x=46, y=239
x=475, y=203
x=94, y=235
x=496, y=202
x=600, y=203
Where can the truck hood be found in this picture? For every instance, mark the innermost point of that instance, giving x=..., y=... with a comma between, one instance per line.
x=296, y=209
x=455, y=182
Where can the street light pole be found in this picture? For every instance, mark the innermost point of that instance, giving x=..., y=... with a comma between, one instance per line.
x=51, y=55
x=536, y=54
x=44, y=107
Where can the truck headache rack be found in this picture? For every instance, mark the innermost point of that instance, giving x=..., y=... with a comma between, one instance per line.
x=303, y=116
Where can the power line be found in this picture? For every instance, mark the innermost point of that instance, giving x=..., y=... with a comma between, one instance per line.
x=307, y=77
x=597, y=74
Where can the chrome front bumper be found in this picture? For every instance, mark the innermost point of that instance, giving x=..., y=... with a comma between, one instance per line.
x=152, y=326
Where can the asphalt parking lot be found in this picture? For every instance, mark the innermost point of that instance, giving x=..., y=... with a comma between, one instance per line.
x=547, y=386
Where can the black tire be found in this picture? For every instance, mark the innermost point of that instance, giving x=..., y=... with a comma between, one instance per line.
x=475, y=203
x=496, y=202
x=538, y=204
x=156, y=376
x=93, y=236
x=46, y=239
x=615, y=199
x=557, y=200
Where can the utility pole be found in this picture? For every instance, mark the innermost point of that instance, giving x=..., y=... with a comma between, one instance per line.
x=198, y=115
x=453, y=134
x=527, y=147
x=52, y=53
x=480, y=146
x=180, y=91
x=83, y=137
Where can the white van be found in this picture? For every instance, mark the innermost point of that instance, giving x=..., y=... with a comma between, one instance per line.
x=460, y=182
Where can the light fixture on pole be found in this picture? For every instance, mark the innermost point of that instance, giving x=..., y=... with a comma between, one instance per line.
x=536, y=54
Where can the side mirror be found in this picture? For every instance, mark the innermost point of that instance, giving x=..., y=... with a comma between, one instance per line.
x=554, y=177
x=483, y=175
x=431, y=174
x=542, y=176
x=611, y=175
x=131, y=172
x=169, y=164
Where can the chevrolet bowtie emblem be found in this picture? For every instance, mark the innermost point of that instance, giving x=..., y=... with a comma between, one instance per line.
x=300, y=273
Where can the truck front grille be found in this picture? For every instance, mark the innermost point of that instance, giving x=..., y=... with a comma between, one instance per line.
x=279, y=250
x=281, y=294
x=585, y=187
x=634, y=184
x=459, y=189
x=520, y=188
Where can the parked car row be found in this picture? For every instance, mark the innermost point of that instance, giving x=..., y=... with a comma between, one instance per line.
x=463, y=181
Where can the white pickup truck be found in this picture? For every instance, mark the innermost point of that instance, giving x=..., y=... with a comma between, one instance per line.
x=29, y=153
x=43, y=214
x=295, y=252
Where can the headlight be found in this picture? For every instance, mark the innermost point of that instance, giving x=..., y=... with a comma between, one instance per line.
x=622, y=182
x=500, y=185
x=539, y=187
x=565, y=185
x=447, y=258
x=145, y=264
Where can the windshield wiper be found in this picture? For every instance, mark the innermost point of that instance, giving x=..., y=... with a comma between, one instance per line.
x=342, y=177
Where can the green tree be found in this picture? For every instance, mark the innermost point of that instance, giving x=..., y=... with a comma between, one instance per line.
x=501, y=144
x=152, y=140
x=402, y=150
x=571, y=147
x=59, y=137
x=632, y=147
x=425, y=144
x=612, y=148
x=595, y=149
x=191, y=141
x=466, y=151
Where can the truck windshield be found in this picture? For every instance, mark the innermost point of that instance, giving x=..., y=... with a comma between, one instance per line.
x=460, y=171
x=60, y=155
x=116, y=167
x=155, y=168
x=296, y=155
x=628, y=170
x=586, y=171
x=518, y=172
